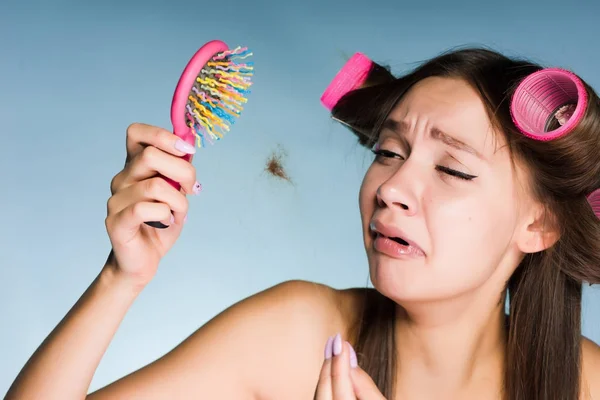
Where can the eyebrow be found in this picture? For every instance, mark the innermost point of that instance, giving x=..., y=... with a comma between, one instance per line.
x=401, y=127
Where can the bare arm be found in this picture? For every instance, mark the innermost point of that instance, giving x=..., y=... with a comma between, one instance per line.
x=269, y=345
x=590, y=376
x=64, y=364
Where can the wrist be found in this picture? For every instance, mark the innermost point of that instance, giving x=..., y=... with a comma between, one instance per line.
x=112, y=277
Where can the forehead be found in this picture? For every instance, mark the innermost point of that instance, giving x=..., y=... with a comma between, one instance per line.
x=450, y=105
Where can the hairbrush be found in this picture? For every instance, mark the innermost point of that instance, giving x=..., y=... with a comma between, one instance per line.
x=209, y=97
x=551, y=96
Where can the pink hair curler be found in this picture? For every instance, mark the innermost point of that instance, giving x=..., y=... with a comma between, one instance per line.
x=209, y=96
x=543, y=96
x=352, y=75
x=594, y=201
x=547, y=95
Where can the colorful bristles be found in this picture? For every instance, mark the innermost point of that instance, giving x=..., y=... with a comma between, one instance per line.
x=218, y=95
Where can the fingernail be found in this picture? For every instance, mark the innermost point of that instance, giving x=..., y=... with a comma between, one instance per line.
x=184, y=146
x=197, y=188
x=329, y=348
x=172, y=219
x=353, y=358
x=337, y=345
x=185, y=219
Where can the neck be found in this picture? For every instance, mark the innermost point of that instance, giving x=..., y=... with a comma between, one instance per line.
x=451, y=346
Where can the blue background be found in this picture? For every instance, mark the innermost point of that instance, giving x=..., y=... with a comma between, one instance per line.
x=75, y=74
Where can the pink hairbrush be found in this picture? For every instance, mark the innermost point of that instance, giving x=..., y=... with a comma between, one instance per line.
x=551, y=94
x=209, y=96
x=352, y=75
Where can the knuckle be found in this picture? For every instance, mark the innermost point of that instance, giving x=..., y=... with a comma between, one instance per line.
x=190, y=174
x=183, y=204
x=136, y=210
x=192, y=171
x=115, y=183
x=132, y=129
x=109, y=224
x=161, y=210
x=336, y=376
x=110, y=206
x=337, y=373
x=148, y=155
x=165, y=209
x=153, y=185
x=157, y=134
x=154, y=134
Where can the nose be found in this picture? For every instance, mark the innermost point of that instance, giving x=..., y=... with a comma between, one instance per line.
x=400, y=191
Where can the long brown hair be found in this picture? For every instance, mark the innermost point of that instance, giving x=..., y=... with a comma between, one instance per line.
x=543, y=358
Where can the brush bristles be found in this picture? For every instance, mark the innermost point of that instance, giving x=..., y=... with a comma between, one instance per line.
x=218, y=95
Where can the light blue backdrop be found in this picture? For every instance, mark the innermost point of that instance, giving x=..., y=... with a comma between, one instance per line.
x=75, y=74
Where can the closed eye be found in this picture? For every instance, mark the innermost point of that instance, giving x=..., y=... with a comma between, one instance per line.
x=383, y=154
x=386, y=154
x=455, y=174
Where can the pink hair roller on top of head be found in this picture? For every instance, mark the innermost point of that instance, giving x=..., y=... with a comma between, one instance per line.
x=352, y=75
x=551, y=94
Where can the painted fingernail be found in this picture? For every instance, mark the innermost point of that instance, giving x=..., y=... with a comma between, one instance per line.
x=329, y=348
x=337, y=345
x=172, y=219
x=353, y=358
x=184, y=146
x=197, y=188
x=185, y=219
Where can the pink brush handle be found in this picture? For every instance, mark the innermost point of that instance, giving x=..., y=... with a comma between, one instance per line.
x=180, y=98
x=182, y=92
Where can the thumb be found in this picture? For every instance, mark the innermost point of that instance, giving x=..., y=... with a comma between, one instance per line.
x=364, y=387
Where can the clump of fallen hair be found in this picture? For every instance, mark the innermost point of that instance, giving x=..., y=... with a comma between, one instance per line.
x=275, y=166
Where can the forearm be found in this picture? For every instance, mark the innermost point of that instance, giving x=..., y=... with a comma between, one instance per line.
x=64, y=364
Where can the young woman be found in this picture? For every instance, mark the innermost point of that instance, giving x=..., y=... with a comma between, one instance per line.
x=459, y=209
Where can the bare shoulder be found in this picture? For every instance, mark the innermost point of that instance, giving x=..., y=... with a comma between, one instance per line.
x=590, y=369
x=268, y=345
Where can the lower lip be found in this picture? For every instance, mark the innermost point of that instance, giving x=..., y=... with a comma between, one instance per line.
x=396, y=250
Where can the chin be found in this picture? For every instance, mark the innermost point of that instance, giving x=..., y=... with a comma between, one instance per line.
x=412, y=280
x=401, y=280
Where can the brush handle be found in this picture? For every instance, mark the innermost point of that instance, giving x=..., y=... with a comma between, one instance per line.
x=190, y=138
x=180, y=99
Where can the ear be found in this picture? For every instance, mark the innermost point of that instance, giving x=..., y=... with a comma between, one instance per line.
x=540, y=230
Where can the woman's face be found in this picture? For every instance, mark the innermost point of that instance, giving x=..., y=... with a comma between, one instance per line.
x=441, y=205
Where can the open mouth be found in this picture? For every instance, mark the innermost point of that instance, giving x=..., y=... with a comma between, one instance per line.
x=385, y=241
x=399, y=240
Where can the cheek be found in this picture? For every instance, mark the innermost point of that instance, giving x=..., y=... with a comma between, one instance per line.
x=472, y=234
x=367, y=194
